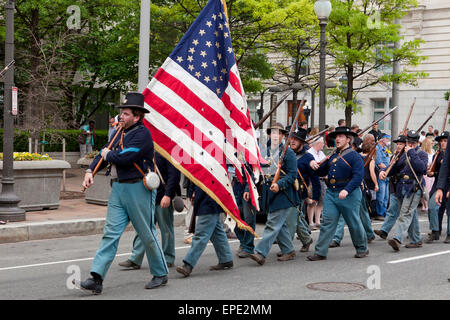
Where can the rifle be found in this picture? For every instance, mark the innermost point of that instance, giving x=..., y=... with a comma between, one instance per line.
x=376, y=121
x=428, y=119
x=370, y=155
x=260, y=122
x=433, y=164
x=398, y=154
x=97, y=167
x=280, y=161
x=6, y=68
x=317, y=136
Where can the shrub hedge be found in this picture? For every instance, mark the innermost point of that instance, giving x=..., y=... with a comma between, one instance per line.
x=54, y=139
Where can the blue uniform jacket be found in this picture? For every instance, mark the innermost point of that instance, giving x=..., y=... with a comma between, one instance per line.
x=419, y=161
x=444, y=172
x=171, y=177
x=303, y=160
x=279, y=200
x=204, y=204
x=337, y=169
x=137, y=147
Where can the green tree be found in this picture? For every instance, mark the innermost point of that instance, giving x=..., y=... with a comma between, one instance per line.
x=360, y=35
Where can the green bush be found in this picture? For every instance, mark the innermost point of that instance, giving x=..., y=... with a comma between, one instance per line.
x=54, y=139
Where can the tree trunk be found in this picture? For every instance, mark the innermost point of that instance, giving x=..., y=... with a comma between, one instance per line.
x=349, y=98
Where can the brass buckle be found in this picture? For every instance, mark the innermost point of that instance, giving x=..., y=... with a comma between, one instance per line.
x=332, y=181
x=406, y=177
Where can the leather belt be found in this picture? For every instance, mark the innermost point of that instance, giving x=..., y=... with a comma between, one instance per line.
x=134, y=180
x=334, y=181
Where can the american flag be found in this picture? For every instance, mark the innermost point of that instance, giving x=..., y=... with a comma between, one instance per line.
x=199, y=118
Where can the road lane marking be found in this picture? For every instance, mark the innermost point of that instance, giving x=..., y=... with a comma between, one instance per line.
x=419, y=257
x=82, y=259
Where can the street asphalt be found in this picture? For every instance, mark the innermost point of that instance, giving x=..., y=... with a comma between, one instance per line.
x=43, y=269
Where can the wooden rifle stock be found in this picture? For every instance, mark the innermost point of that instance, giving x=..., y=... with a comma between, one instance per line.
x=370, y=155
x=293, y=127
x=407, y=119
x=101, y=158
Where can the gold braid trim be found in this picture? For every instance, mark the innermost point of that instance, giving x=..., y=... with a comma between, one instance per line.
x=177, y=165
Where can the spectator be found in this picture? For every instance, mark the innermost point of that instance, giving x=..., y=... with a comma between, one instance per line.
x=314, y=210
x=427, y=146
x=375, y=132
x=430, y=129
x=436, y=132
x=382, y=162
x=87, y=138
x=341, y=123
x=422, y=136
x=111, y=128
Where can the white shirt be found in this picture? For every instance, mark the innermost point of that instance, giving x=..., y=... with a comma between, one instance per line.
x=318, y=156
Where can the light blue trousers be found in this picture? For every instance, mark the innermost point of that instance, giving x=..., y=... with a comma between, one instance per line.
x=277, y=228
x=365, y=220
x=392, y=215
x=209, y=227
x=164, y=219
x=130, y=202
x=333, y=208
x=408, y=211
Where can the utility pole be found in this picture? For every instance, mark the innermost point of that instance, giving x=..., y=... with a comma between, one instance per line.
x=144, y=45
x=395, y=93
x=9, y=208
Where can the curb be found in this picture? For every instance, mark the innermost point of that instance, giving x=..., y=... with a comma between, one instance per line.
x=23, y=231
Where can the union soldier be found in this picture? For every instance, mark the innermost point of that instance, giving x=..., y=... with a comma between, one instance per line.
x=345, y=170
x=393, y=210
x=436, y=212
x=411, y=165
x=443, y=184
x=130, y=200
x=279, y=199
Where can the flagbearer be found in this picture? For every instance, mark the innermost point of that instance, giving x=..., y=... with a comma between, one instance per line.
x=279, y=200
x=409, y=171
x=345, y=171
x=305, y=177
x=130, y=200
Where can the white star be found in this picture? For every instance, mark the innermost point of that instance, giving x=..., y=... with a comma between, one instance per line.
x=220, y=78
x=204, y=65
x=216, y=33
x=202, y=32
x=217, y=44
x=214, y=62
x=195, y=42
x=190, y=58
x=198, y=74
x=230, y=50
x=191, y=67
x=218, y=91
x=192, y=50
x=214, y=17
x=220, y=26
x=203, y=53
x=208, y=44
x=220, y=15
x=219, y=56
x=225, y=34
x=180, y=59
x=224, y=71
x=208, y=23
x=207, y=79
x=215, y=79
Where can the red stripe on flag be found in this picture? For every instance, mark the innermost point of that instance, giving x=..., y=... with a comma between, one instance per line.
x=235, y=82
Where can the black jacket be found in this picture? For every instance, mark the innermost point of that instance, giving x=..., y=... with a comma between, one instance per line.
x=171, y=177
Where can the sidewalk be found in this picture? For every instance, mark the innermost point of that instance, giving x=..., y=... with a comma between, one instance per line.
x=74, y=216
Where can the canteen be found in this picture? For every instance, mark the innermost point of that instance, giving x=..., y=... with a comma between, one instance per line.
x=152, y=181
x=178, y=204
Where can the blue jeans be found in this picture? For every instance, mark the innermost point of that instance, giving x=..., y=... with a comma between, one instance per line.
x=130, y=202
x=434, y=214
x=164, y=218
x=209, y=227
x=408, y=212
x=392, y=215
x=276, y=228
x=365, y=220
x=333, y=208
x=382, y=197
x=246, y=238
x=303, y=231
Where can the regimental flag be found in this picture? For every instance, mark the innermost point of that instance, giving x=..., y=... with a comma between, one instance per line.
x=199, y=119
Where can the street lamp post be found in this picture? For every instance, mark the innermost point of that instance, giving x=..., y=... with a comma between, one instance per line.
x=9, y=209
x=322, y=8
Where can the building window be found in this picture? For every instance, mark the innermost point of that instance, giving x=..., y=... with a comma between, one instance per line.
x=252, y=106
x=379, y=111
